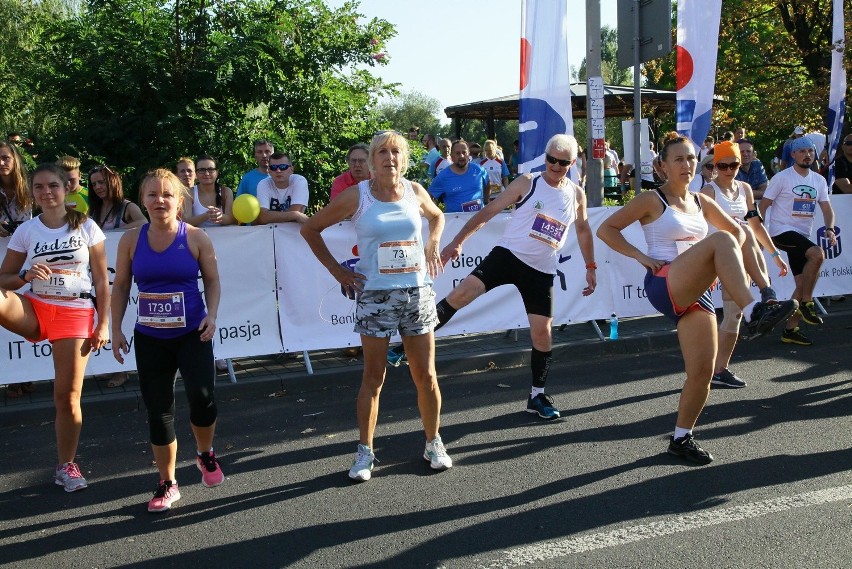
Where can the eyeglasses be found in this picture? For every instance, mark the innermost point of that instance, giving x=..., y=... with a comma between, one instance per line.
x=278, y=167
x=847, y=143
x=709, y=166
x=555, y=160
x=205, y=170
x=724, y=167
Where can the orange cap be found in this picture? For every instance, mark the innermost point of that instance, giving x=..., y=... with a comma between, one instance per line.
x=724, y=150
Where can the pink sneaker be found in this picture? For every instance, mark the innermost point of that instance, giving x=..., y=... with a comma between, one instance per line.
x=211, y=472
x=165, y=495
x=68, y=476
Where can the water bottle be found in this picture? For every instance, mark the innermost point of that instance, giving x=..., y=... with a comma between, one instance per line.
x=613, y=327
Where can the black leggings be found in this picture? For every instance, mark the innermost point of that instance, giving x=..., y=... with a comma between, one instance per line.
x=157, y=361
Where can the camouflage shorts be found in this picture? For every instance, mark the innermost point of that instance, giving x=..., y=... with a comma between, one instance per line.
x=380, y=313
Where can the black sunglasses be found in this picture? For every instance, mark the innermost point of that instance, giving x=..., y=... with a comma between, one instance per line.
x=723, y=167
x=555, y=160
x=278, y=167
x=847, y=143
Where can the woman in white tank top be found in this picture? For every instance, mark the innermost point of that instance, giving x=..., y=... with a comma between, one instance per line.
x=679, y=285
x=737, y=200
x=212, y=202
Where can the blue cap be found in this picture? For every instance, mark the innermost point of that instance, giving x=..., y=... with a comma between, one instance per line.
x=801, y=144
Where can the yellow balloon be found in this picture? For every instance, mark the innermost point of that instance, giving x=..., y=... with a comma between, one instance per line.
x=246, y=208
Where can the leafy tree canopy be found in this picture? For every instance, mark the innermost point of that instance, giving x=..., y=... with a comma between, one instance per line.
x=139, y=83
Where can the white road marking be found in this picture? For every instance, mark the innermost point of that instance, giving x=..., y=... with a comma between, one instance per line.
x=530, y=554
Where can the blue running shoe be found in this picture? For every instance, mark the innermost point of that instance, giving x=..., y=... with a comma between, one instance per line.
x=396, y=356
x=543, y=406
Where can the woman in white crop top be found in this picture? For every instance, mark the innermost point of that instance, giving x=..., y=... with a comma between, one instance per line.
x=737, y=200
x=679, y=285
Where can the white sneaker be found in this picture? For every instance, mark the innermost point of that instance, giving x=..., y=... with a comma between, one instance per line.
x=68, y=476
x=362, y=466
x=437, y=455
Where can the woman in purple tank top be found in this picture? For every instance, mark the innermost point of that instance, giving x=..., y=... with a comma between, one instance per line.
x=173, y=330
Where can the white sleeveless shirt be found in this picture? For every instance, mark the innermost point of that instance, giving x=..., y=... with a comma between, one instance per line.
x=735, y=207
x=539, y=225
x=674, y=231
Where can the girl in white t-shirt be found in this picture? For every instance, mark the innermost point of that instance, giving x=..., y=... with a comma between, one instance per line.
x=53, y=255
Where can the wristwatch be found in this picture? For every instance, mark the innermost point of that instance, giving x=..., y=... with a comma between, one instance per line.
x=23, y=275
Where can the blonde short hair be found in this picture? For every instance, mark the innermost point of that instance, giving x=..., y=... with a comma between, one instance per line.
x=390, y=138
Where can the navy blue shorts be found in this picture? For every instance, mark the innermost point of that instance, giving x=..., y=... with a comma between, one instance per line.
x=657, y=287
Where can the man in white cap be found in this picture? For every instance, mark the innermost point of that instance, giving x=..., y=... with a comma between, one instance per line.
x=794, y=194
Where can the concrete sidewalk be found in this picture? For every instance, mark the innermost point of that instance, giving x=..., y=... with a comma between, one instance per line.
x=454, y=355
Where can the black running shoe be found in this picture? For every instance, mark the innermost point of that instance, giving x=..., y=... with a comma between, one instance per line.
x=795, y=337
x=727, y=378
x=765, y=316
x=809, y=313
x=686, y=448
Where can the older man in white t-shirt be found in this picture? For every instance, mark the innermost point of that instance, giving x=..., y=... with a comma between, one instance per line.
x=283, y=196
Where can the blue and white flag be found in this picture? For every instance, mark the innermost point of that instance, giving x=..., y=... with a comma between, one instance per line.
x=545, y=97
x=837, y=92
x=697, y=46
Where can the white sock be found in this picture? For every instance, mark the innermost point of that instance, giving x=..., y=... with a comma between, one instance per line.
x=680, y=433
x=199, y=453
x=747, y=310
x=535, y=391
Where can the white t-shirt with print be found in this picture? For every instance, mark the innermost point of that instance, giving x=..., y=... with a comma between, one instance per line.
x=274, y=199
x=66, y=252
x=794, y=201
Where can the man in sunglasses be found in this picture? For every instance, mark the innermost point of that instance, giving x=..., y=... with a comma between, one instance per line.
x=263, y=149
x=283, y=196
x=843, y=167
x=794, y=194
x=751, y=169
x=526, y=257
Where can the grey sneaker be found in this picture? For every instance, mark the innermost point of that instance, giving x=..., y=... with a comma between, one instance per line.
x=68, y=476
x=362, y=466
x=727, y=378
x=437, y=455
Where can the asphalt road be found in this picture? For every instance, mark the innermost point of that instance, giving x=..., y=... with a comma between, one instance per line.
x=594, y=489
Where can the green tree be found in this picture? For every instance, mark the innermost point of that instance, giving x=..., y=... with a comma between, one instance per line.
x=412, y=108
x=22, y=23
x=611, y=73
x=142, y=82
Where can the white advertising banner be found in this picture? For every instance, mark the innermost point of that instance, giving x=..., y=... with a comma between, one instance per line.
x=314, y=314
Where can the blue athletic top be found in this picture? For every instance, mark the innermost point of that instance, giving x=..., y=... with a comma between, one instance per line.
x=390, y=242
x=170, y=303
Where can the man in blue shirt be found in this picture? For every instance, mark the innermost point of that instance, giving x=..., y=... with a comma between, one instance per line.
x=464, y=185
x=751, y=169
x=263, y=149
x=430, y=141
